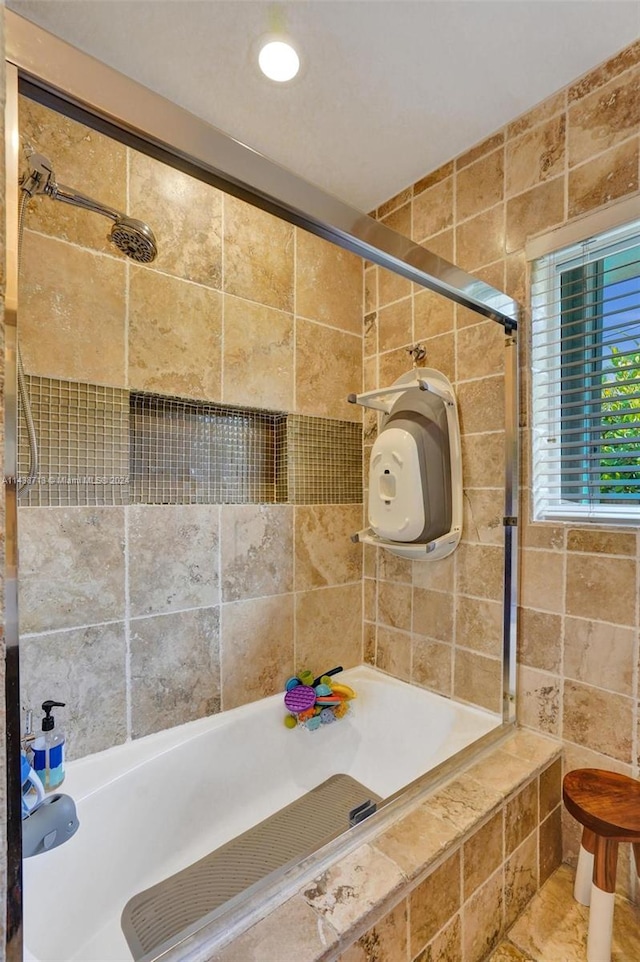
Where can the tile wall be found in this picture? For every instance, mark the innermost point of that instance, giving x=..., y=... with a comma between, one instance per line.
x=145, y=616
x=578, y=656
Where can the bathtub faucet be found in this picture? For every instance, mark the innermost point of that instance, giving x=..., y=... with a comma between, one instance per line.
x=51, y=823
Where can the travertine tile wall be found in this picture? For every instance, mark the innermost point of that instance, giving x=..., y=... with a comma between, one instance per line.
x=142, y=617
x=578, y=655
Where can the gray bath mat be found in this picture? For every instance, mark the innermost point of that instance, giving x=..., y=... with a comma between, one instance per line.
x=162, y=912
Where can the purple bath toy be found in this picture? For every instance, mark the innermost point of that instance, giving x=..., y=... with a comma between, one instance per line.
x=299, y=699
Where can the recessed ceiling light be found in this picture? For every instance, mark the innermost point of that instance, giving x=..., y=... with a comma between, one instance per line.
x=278, y=61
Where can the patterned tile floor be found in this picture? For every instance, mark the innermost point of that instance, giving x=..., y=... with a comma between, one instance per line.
x=554, y=927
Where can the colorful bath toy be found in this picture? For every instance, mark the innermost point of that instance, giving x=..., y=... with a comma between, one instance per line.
x=306, y=678
x=292, y=683
x=313, y=723
x=290, y=721
x=300, y=698
x=327, y=716
x=322, y=690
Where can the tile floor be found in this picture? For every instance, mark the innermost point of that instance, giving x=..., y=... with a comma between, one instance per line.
x=553, y=928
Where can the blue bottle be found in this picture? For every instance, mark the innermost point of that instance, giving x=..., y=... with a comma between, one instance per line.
x=48, y=749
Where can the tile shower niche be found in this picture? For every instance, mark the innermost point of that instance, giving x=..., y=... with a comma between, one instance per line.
x=108, y=446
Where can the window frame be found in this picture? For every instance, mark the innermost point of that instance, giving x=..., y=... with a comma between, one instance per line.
x=546, y=446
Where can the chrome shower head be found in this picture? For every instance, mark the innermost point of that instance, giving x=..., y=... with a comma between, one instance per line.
x=134, y=238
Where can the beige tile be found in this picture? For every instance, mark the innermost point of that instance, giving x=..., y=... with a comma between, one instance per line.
x=478, y=679
x=538, y=114
x=550, y=847
x=446, y=946
x=542, y=580
x=516, y=276
x=328, y=368
x=399, y=220
x=480, y=240
x=611, y=175
x=433, y=614
x=541, y=535
x=597, y=719
x=433, y=903
x=433, y=210
x=537, y=156
x=370, y=339
x=433, y=314
x=441, y=354
x=395, y=325
x=346, y=892
x=435, y=576
x=480, y=351
x=288, y=933
x=416, y=840
x=175, y=669
x=329, y=627
x=68, y=328
x=520, y=878
x=370, y=561
x=480, y=185
x=369, y=644
x=628, y=57
x=370, y=290
x=534, y=211
x=256, y=649
x=601, y=542
x=256, y=550
x=483, y=854
x=604, y=118
x=392, y=568
x=500, y=773
x=481, y=405
x=185, y=215
x=84, y=160
x=431, y=665
x=483, y=460
x=550, y=788
x=394, y=653
x=398, y=200
x=71, y=567
x=391, y=287
x=480, y=149
x=257, y=356
x=479, y=571
x=537, y=749
x=507, y=952
x=599, y=654
x=479, y=625
x=186, y=576
x=370, y=381
x=172, y=325
x=258, y=255
x=482, y=516
x=483, y=918
x=394, y=605
x=441, y=244
x=434, y=177
x=386, y=941
x=589, y=594
x=324, y=552
x=520, y=816
x=540, y=640
x=85, y=669
x=539, y=700
x=328, y=283
x=370, y=599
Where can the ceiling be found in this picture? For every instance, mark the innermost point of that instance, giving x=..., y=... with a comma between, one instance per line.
x=389, y=89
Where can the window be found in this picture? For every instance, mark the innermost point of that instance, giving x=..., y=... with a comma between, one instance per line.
x=586, y=380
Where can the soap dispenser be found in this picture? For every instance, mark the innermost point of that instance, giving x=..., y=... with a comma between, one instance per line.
x=48, y=749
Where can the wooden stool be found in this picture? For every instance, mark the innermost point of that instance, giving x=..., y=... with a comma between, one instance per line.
x=607, y=805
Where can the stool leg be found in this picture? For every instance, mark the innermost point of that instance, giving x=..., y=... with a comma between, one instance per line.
x=584, y=871
x=602, y=901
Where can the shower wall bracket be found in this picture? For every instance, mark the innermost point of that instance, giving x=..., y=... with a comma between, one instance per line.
x=415, y=470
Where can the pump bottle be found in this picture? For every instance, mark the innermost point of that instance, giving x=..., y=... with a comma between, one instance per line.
x=48, y=749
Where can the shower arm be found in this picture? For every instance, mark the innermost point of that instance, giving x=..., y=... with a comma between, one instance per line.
x=41, y=180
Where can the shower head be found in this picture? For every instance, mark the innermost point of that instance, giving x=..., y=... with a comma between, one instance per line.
x=133, y=237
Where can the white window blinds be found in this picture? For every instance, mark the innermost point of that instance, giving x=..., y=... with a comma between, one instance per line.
x=586, y=380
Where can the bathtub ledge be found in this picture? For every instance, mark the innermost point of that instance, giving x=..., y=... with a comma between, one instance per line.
x=340, y=905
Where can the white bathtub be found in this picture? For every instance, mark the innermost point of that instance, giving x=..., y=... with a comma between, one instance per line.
x=152, y=807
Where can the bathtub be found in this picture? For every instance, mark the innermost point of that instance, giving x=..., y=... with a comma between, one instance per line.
x=151, y=807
